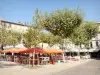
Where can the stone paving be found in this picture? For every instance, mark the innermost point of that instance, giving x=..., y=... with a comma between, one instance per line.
x=90, y=68
x=9, y=68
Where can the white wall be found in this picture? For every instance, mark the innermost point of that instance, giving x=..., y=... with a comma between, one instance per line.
x=15, y=27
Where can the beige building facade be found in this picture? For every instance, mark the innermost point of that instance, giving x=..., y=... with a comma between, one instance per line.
x=19, y=27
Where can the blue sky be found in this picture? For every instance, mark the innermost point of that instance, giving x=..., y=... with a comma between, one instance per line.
x=23, y=10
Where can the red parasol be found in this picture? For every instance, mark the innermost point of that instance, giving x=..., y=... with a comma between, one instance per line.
x=33, y=50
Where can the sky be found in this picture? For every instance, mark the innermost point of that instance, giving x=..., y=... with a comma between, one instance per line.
x=23, y=10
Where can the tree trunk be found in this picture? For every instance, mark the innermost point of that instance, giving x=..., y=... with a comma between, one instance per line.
x=63, y=51
x=33, y=59
x=1, y=48
x=79, y=51
x=42, y=44
x=29, y=60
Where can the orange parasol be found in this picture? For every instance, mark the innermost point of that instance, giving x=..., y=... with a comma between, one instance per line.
x=14, y=50
x=18, y=50
x=33, y=50
x=9, y=50
x=53, y=51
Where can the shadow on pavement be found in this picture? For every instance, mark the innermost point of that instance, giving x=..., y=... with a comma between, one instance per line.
x=96, y=58
x=5, y=64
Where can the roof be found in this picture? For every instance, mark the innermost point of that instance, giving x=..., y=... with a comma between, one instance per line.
x=14, y=23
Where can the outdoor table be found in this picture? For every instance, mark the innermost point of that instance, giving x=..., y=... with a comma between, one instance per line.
x=19, y=60
x=44, y=60
x=15, y=59
x=12, y=58
x=36, y=61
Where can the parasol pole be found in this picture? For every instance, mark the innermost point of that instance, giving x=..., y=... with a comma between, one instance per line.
x=33, y=58
x=29, y=60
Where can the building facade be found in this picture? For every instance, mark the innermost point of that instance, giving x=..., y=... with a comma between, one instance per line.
x=19, y=27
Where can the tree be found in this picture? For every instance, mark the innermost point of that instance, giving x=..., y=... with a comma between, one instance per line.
x=61, y=22
x=13, y=38
x=79, y=36
x=49, y=38
x=9, y=37
x=91, y=29
x=84, y=33
x=31, y=37
x=3, y=35
x=35, y=22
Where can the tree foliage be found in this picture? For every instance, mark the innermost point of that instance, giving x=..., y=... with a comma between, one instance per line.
x=13, y=38
x=61, y=22
x=9, y=37
x=79, y=36
x=84, y=33
x=91, y=29
x=35, y=21
x=50, y=38
x=31, y=37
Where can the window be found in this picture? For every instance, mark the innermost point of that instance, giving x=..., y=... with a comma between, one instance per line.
x=91, y=45
x=4, y=24
x=97, y=43
x=9, y=26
